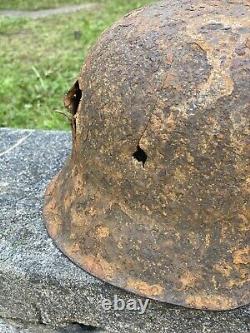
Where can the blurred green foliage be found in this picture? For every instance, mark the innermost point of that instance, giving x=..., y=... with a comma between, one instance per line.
x=40, y=59
x=41, y=4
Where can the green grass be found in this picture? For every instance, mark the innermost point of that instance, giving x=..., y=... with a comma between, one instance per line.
x=40, y=59
x=42, y=4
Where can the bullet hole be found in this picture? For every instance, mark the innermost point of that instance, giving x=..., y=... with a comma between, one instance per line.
x=71, y=102
x=75, y=97
x=140, y=155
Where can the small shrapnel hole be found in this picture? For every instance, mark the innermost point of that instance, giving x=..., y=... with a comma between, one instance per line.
x=75, y=97
x=71, y=102
x=140, y=155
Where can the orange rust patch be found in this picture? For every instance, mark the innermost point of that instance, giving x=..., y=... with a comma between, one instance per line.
x=144, y=288
x=190, y=158
x=79, y=187
x=78, y=220
x=244, y=279
x=170, y=78
x=51, y=205
x=223, y=268
x=170, y=121
x=242, y=256
x=52, y=185
x=180, y=175
x=246, y=185
x=67, y=201
x=102, y=232
x=72, y=248
x=169, y=57
x=188, y=280
x=207, y=240
x=53, y=220
x=90, y=211
x=98, y=266
x=204, y=301
x=248, y=43
x=244, y=225
x=54, y=226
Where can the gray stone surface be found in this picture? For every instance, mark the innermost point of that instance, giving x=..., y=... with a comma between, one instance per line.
x=17, y=326
x=39, y=285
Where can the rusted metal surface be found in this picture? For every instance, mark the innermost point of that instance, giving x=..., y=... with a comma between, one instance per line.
x=154, y=198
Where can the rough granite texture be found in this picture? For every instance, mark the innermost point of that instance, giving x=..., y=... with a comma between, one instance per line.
x=39, y=285
x=17, y=326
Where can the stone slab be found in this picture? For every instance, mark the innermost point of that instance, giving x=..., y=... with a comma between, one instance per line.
x=39, y=285
x=17, y=326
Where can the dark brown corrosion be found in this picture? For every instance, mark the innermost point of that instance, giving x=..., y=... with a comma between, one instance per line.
x=154, y=197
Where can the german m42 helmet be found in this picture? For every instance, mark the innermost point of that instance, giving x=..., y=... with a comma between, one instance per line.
x=154, y=196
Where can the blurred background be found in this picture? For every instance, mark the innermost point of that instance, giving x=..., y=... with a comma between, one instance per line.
x=42, y=47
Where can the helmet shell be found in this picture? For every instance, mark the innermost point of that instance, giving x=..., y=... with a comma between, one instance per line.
x=154, y=196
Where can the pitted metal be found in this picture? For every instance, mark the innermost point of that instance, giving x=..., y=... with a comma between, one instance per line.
x=154, y=197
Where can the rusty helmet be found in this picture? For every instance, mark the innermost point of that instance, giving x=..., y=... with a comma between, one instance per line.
x=154, y=196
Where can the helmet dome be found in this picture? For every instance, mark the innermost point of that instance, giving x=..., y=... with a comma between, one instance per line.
x=153, y=198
